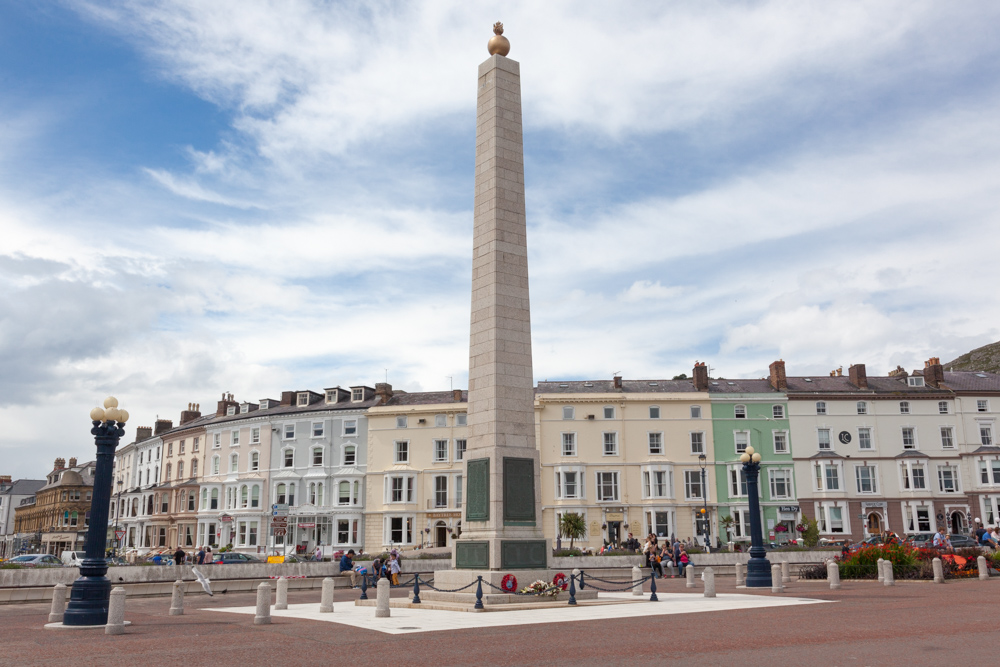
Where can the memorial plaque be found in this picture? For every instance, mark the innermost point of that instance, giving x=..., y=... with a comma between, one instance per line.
x=518, y=492
x=522, y=554
x=477, y=490
x=472, y=555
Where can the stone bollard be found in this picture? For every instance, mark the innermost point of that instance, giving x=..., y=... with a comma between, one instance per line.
x=689, y=573
x=740, y=577
x=177, y=599
x=263, y=616
x=709, y=575
x=878, y=566
x=636, y=576
x=326, y=599
x=382, y=599
x=58, y=607
x=281, y=597
x=984, y=572
x=938, y=571
x=785, y=575
x=776, y=586
x=116, y=613
x=888, y=578
x=833, y=575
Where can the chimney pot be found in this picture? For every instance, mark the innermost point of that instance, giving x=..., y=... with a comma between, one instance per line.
x=59, y=464
x=72, y=462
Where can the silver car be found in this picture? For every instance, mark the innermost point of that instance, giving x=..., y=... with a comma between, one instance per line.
x=36, y=560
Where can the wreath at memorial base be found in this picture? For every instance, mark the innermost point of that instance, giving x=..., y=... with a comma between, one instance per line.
x=509, y=583
x=560, y=581
x=541, y=588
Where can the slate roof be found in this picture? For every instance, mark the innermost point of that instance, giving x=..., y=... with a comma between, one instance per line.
x=23, y=487
x=741, y=386
x=972, y=381
x=911, y=454
x=608, y=387
x=826, y=454
x=404, y=398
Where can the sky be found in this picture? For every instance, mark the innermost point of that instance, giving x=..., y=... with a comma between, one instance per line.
x=251, y=196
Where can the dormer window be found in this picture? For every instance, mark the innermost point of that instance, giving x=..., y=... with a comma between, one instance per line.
x=915, y=381
x=357, y=394
x=303, y=399
x=245, y=408
x=265, y=404
x=231, y=410
x=331, y=396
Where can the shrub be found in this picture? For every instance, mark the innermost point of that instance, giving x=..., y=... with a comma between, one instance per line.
x=863, y=563
x=567, y=552
x=811, y=534
x=11, y=566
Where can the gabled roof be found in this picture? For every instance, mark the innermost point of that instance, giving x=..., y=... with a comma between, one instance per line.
x=23, y=487
x=911, y=454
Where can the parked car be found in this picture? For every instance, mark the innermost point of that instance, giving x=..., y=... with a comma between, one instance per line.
x=36, y=560
x=73, y=558
x=922, y=540
x=962, y=541
x=232, y=558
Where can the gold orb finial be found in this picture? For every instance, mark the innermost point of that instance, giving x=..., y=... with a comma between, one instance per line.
x=498, y=44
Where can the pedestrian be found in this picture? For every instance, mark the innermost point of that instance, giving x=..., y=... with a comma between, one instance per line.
x=394, y=570
x=208, y=554
x=979, y=532
x=347, y=565
x=376, y=570
x=179, y=556
x=683, y=561
x=319, y=552
x=201, y=555
x=940, y=538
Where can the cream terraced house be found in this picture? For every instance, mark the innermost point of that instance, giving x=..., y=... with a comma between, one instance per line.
x=416, y=448
x=182, y=464
x=625, y=455
x=977, y=406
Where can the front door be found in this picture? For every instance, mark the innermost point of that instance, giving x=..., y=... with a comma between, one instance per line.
x=874, y=523
x=441, y=535
x=614, y=533
x=958, y=523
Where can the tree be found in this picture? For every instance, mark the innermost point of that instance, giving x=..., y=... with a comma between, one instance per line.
x=682, y=376
x=573, y=526
x=811, y=534
x=727, y=523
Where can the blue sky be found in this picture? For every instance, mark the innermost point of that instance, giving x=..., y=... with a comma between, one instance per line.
x=251, y=197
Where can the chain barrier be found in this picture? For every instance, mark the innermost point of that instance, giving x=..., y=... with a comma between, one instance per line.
x=444, y=590
x=626, y=586
x=591, y=578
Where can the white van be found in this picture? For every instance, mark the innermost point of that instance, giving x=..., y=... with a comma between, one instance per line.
x=73, y=558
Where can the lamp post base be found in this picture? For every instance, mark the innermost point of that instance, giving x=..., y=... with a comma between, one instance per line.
x=88, y=602
x=758, y=573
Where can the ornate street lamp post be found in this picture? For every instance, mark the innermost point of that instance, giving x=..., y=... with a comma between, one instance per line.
x=704, y=510
x=758, y=568
x=88, y=600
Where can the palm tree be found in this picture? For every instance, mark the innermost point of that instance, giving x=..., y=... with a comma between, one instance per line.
x=573, y=526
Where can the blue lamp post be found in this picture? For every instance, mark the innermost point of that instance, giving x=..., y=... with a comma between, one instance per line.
x=91, y=592
x=758, y=568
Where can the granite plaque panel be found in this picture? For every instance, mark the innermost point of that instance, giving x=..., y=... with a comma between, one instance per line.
x=522, y=554
x=472, y=555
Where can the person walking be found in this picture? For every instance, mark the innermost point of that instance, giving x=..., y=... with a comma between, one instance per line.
x=201, y=555
x=208, y=554
x=179, y=556
x=347, y=565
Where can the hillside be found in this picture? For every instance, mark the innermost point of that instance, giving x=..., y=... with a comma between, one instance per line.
x=985, y=358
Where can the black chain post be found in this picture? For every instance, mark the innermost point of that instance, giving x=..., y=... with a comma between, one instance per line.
x=652, y=588
x=583, y=584
x=416, y=589
x=479, y=593
x=364, y=586
x=572, y=589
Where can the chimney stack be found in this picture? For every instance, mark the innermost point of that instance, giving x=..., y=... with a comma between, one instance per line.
x=59, y=464
x=933, y=372
x=5, y=479
x=858, y=376
x=162, y=426
x=190, y=414
x=900, y=371
x=618, y=382
x=143, y=433
x=457, y=395
x=700, y=376
x=72, y=462
x=384, y=391
x=287, y=398
x=223, y=406
x=778, y=378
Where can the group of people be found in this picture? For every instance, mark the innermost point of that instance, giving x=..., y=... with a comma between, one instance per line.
x=387, y=568
x=657, y=554
x=987, y=537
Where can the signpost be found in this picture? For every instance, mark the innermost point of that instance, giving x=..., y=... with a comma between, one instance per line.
x=279, y=522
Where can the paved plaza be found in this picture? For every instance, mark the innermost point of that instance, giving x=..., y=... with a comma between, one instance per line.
x=863, y=624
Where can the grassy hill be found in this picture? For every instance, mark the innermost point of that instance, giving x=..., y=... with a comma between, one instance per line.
x=985, y=358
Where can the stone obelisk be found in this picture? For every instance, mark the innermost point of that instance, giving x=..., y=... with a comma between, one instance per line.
x=501, y=528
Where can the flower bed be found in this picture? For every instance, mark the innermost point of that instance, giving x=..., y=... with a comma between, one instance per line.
x=908, y=562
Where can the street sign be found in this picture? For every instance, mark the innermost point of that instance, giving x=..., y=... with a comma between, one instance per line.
x=280, y=531
x=119, y=534
x=279, y=513
x=280, y=507
x=277, y=523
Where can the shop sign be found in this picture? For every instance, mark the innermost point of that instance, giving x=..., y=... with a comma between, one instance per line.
x=874, y=505
x=788, y=508
x=446, y=515
x=615, y=516
x=307, y=525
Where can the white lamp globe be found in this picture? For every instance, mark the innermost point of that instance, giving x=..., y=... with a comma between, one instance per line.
x=756, y=458
x=111, y=402
x=122, y=415
x=97, y=415
x=750, y=451
x=744, y=458
x=111, y=414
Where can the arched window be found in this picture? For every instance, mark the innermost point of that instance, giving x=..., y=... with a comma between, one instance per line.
x=350, y=455
x=255, y=496
x=288, y=458
x=280, y=496
x=344, y=495
x=317, y=457
x=357, y=485
x=234, y=462
x=244, y=495
x=319, y=494
x=312, y=493
x=254, y=460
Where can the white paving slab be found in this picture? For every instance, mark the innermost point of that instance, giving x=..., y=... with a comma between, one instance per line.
x=407, y=621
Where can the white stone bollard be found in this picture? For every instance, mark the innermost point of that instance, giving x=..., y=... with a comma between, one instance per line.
x=263, y=616
x=786, y=576
x=709, y=575
x=740, y=577
x=281, y=596
x=326, y=600
x=888, y=578
x=177, y=599
x=938, y=571
x=776, y=586
x=382, y=599
x=833, y=575
x=58, y=607
x=116, y=613
x=636, y=576
x=984, y=572
x=689, y=573
x=881, y=571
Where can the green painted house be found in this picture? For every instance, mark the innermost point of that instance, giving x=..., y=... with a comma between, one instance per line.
x=753, y=413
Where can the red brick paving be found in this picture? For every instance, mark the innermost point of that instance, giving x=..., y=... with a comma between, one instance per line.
x=914, y=623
